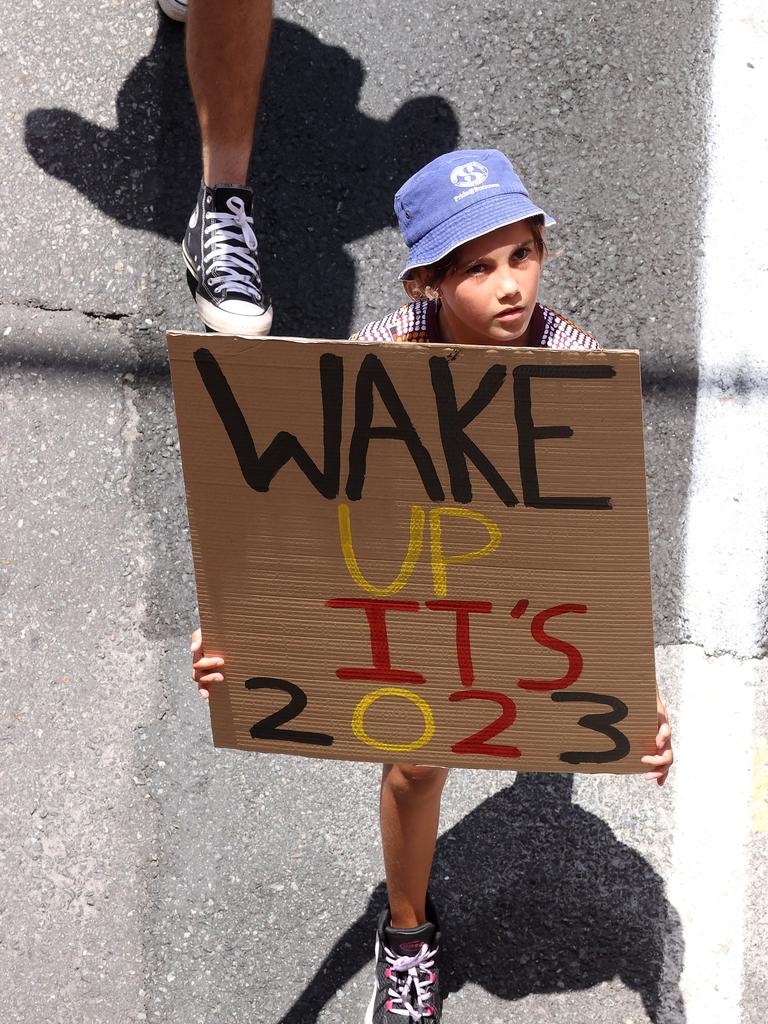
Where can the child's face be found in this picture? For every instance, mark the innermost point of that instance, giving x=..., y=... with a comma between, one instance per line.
x=489, y=298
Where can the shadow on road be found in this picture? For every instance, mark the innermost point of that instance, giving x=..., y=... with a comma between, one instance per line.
x=324, y=172
x=537, y=896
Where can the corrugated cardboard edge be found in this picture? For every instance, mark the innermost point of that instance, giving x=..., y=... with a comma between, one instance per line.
x=222, y=716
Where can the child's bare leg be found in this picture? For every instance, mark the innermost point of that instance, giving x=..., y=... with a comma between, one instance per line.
x=410, y=812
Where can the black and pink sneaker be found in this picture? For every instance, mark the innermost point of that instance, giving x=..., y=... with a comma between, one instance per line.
x=406, y=986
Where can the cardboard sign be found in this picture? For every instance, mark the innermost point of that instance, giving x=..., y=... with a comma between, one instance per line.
x=421, y=553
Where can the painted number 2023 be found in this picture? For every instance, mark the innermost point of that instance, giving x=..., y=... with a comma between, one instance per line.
x=601, y=722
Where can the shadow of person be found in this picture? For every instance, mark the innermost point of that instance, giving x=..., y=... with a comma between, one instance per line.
x=324, y=172
x=537, y=895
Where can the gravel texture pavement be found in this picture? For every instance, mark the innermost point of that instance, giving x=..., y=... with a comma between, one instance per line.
x=147, y=876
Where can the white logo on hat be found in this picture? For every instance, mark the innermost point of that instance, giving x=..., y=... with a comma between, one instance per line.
x=467, y=175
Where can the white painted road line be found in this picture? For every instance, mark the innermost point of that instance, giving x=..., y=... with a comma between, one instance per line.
x=726, y=529
x=708, y=883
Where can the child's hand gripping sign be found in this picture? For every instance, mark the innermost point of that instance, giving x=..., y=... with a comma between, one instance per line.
x=421, y=553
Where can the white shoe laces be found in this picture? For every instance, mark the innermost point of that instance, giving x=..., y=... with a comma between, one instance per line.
x=410, y=990
x=233, y=268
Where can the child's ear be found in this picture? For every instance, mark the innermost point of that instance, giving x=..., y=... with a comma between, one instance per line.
x=418, y=286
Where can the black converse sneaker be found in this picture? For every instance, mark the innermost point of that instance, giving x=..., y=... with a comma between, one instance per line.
x=219, y=249
x=176, y=9
x=406, y=987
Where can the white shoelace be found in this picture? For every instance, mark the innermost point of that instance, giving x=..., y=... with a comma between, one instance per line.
x=234, y=266
x=410, y=992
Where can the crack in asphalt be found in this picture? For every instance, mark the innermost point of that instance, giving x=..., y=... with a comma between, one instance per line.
x=93, y=314
x=714, y=652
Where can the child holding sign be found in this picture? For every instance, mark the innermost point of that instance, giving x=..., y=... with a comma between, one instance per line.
x=476, y=248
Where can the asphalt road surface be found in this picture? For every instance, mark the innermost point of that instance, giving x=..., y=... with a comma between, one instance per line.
x=147, y=876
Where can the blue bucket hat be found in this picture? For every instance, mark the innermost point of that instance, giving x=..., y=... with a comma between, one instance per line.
x=458, y=197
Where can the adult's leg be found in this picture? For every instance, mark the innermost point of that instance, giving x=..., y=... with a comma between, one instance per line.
x=227, y=43
x=410, y=813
